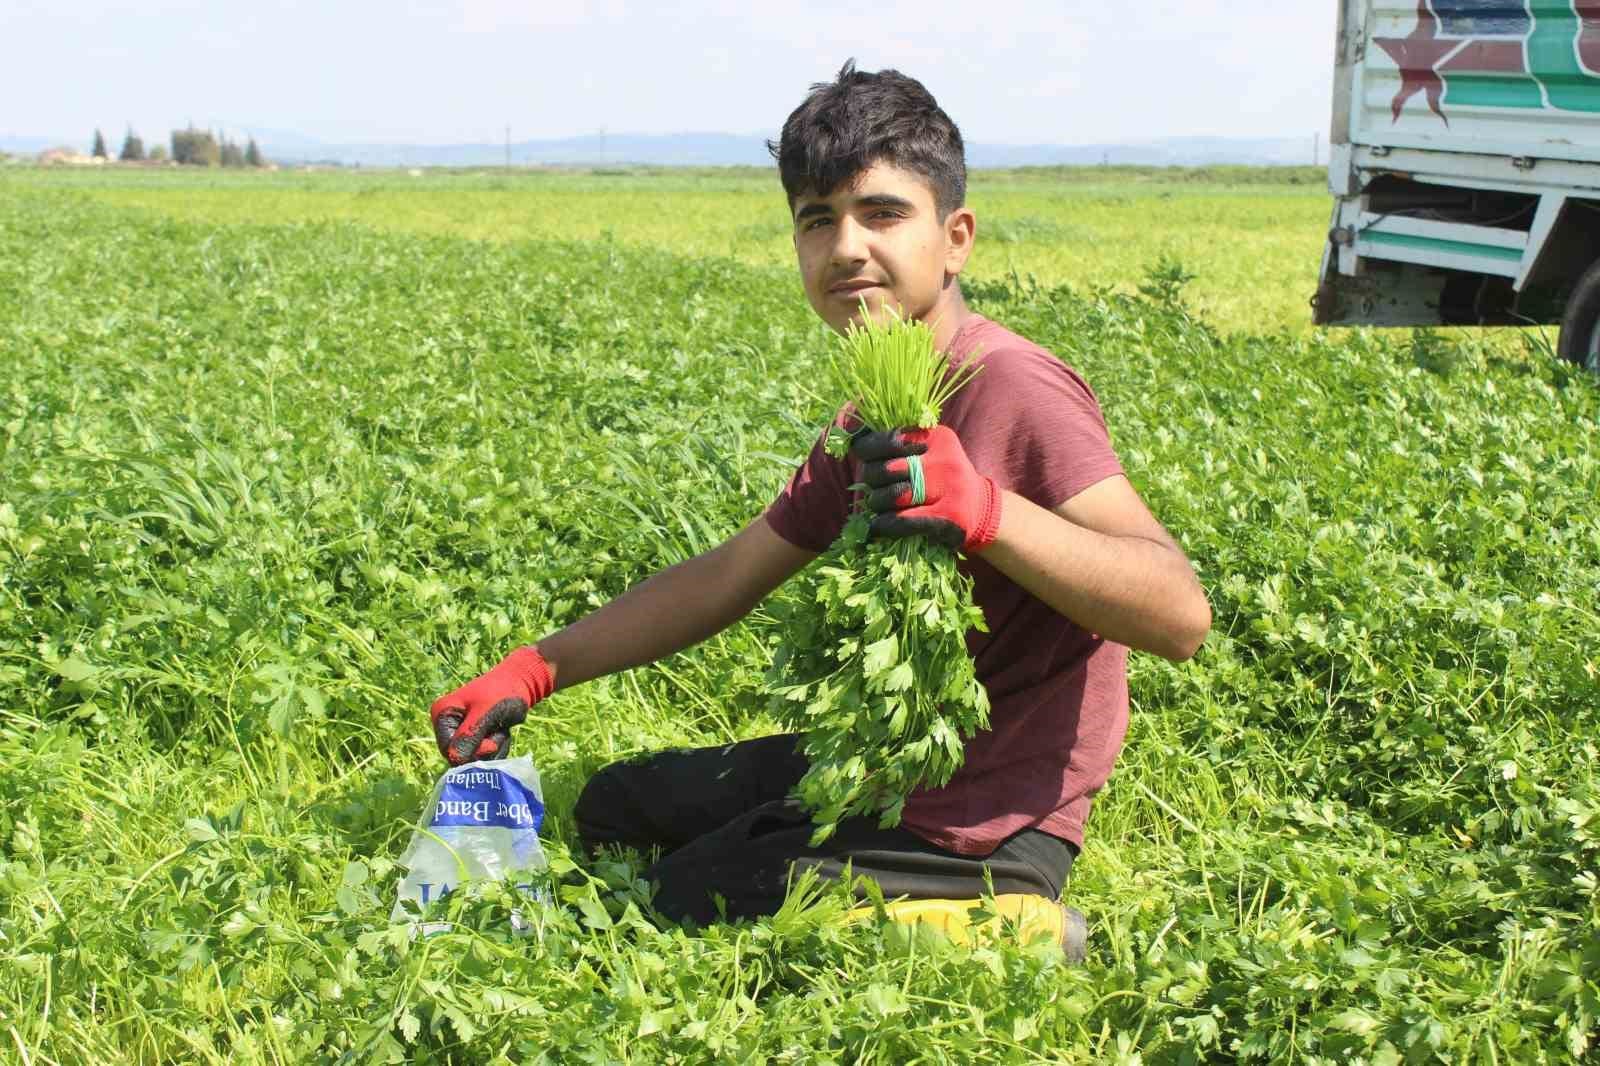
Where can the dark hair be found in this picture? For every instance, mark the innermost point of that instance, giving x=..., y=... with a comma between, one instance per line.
x=846, y=125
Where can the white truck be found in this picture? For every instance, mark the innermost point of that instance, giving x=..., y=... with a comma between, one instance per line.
x=1465, y=167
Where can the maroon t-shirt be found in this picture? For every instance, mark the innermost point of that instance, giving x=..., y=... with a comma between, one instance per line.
x=1058, y=694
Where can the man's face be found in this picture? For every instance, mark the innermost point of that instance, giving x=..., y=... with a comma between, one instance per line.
x=879, y=237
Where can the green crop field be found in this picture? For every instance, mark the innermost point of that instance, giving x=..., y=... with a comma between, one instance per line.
x=1254, y=238
x=285, y=457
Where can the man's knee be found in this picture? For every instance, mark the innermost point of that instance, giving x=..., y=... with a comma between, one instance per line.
x=603, y=811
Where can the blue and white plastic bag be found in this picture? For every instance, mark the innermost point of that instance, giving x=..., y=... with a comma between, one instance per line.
x=483, y=824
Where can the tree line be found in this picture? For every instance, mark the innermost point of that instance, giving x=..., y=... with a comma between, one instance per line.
x=191, y=147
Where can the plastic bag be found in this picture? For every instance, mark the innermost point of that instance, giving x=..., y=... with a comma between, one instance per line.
x=483, y=823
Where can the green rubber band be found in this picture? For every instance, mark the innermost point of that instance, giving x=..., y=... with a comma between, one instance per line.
x=919, y=488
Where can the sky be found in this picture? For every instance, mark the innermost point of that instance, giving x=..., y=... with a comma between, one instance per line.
x=460, y=71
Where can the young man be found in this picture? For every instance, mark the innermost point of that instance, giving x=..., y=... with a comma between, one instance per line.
x=1069, y=568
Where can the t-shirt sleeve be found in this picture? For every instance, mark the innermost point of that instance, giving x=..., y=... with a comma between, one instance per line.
x=1043, y=435
x=811, y=510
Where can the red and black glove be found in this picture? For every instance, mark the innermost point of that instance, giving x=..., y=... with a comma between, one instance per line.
x=474, y=721
x=923, y=485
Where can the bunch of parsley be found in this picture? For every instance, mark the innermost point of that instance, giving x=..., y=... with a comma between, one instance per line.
x=874, y=670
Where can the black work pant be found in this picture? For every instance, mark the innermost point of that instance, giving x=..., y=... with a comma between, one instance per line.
x=726, y=826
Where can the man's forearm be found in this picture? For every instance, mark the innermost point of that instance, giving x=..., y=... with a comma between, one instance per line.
x=673, y=609
x=1127, y=589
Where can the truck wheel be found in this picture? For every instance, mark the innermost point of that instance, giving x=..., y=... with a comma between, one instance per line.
x=1580, y=325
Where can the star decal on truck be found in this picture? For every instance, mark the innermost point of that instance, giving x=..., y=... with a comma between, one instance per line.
x=1418, y=57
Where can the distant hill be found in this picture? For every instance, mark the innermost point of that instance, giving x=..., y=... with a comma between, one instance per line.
x=1164, y=152
x=723, y=149
x=672, y=149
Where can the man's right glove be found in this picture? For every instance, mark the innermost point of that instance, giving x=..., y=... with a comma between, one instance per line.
x=474, y=721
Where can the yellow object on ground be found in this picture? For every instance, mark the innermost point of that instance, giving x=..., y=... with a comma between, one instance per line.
x=965, y=920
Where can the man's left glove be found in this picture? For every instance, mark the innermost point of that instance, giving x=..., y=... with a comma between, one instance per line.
x=924, y=485
x=474, y=721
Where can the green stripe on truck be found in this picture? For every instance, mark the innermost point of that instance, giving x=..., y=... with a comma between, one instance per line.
x=1435, y=244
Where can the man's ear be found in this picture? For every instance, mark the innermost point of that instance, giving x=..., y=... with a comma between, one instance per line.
x=960, y=229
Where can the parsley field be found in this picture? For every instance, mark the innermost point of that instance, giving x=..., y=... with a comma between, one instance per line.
x=1244, y=231
x=268, y=488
